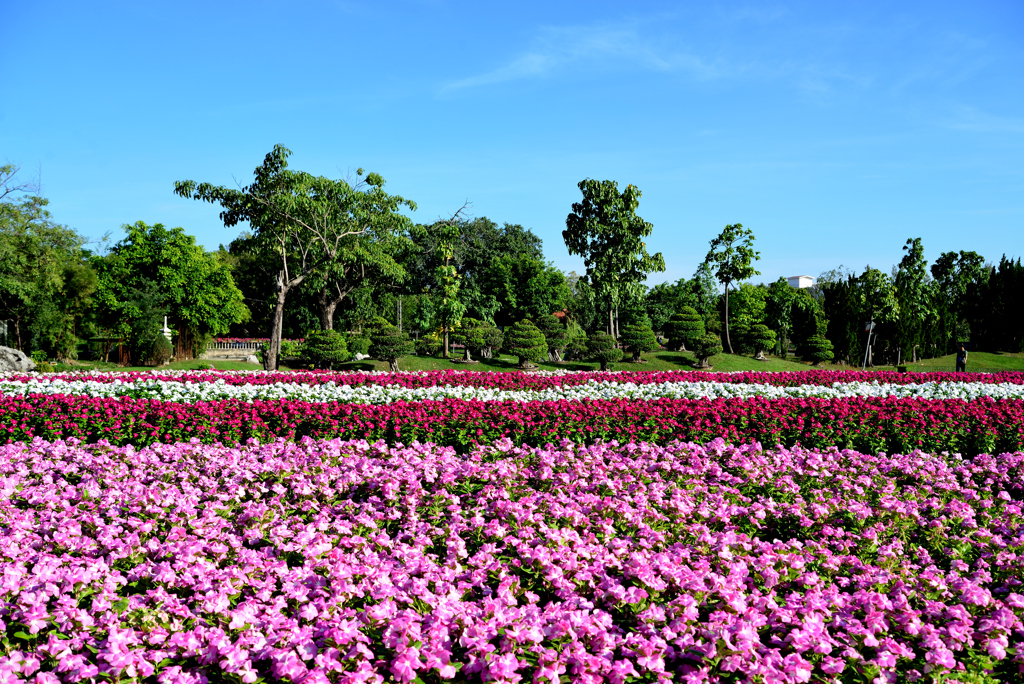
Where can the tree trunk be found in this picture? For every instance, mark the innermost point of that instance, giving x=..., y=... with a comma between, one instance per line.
x=446, y=342
x=327, y=308
x=728, y=342
x=393, y=365
x=611, y=320
x=274, y=349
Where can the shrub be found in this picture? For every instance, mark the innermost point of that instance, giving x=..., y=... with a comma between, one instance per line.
x=762, y=338
x=358, y=344
x=601, y=348
x=526, y=341
x=44, y=367
x=705, y=347
x=324, y=349
x=576, y=347
x=161, y=352
x=478, y=337
x=429, y=345
x=739, y=334
x=389, y=344
x=684, y=328
x=556, y=335
x=638, y=339
x=817, y=349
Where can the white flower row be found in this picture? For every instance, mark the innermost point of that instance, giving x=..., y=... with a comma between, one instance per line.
x=377, y=394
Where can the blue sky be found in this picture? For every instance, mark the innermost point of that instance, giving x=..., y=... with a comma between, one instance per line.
x=835, y=131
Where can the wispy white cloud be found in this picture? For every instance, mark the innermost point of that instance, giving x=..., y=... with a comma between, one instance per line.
x=559, y=48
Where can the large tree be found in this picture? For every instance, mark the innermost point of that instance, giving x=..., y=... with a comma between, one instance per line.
x=479, y=244
x=915, y=296
x=730, y=259
x=960, y=280
x=606, y=231
x=46, y=282
x=524, y=287
x=155, y=271
x=307, y=221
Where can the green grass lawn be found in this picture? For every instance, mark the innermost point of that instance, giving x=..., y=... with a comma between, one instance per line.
x=654, y=361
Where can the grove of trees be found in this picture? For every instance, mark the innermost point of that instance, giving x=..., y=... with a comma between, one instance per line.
x=314, y=255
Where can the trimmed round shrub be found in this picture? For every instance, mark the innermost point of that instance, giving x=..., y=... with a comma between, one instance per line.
x=525, y=340
x=325, y=349
x=556, y=335
x=389, y=344
x=601, y=348
x=684, y=328
x=478, y=337
x=762, y=338
x=706, y=346
x=576, y=348
x=817, y=349
x=639, y=339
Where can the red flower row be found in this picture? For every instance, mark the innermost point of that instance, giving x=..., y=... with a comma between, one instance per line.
x=866, y=424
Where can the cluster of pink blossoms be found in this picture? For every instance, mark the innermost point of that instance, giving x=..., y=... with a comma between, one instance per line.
x=341, y=561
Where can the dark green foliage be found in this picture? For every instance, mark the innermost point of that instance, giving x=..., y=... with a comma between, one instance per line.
x=325, y=349
x=601, y=347
x=730, y=257
x=357, y=344
x=1003, y=328
x=479, y=338
x=162, y=352
x=429, y=345
x=576, y=347
x=556, y=335
x=740, y=330
x=706, y=346
x=664, y=300
x=817, y=349
x=605, y=230
x=684, y=328
x=526, y=341
x=762, y=339
x=639, y=339
x=389, y=344
x=147, y=309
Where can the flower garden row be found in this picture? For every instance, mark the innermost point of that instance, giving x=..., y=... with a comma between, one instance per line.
x=191, y=392
x=520, y=381
x=350, y=562
x=869, y=424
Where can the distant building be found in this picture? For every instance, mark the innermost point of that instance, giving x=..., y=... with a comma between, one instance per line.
x=800, y=282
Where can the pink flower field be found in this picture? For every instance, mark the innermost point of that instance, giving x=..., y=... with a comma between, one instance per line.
x=622, y=554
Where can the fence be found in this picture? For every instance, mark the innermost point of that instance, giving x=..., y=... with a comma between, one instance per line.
x=232, y=345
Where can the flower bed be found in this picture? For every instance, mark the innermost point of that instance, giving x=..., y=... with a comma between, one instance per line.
x=517, y=381
x=335, y=561
x=191, y=392
x=869, y=424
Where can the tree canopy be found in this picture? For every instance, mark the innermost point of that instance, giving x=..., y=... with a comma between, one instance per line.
x=606, y=231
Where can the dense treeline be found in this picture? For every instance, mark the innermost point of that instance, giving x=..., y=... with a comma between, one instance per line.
x=321, y=255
